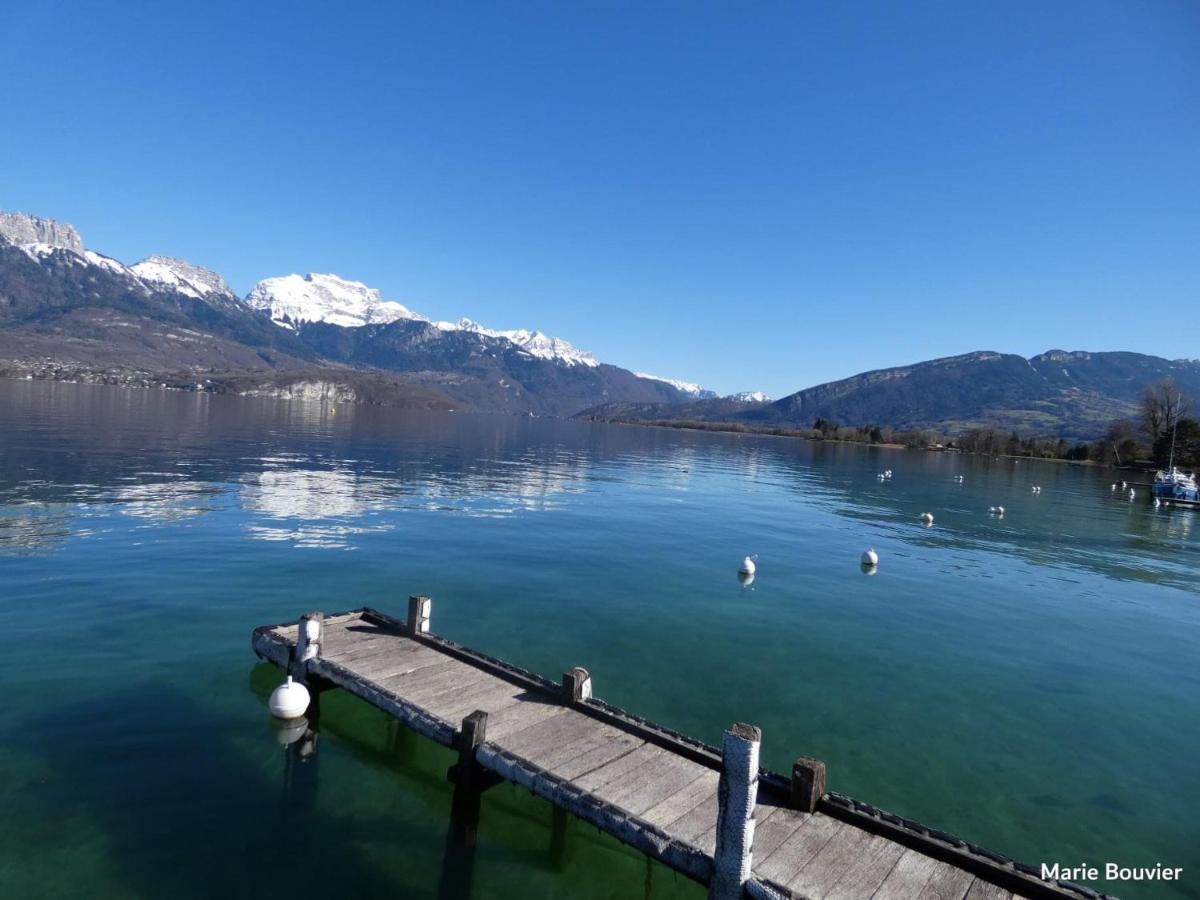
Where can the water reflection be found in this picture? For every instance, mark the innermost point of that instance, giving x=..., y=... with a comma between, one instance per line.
x=302, y=475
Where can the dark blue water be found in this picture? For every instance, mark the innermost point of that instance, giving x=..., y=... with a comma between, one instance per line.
x=1029, y=682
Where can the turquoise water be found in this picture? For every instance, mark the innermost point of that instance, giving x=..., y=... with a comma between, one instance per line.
x=1028, y=682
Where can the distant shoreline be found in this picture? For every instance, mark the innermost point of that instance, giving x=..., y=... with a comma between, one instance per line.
x=739, y=428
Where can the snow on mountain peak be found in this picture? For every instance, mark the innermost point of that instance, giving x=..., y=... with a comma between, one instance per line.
x=535, y=343
x=750, y=397
x=686, y=387
x=291, y=299
x=181, y=276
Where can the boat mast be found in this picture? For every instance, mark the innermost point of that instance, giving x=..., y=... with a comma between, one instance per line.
x=1174, y=428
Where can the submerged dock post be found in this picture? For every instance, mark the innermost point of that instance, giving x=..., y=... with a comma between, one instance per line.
x=419, y=609
x=458, y=861
x=737, y=792
x=308, y=644
x=808, y=784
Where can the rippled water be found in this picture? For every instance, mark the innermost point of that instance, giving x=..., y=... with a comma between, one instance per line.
x=1029, y=682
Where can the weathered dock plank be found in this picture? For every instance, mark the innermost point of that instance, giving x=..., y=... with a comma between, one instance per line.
x=656, y=790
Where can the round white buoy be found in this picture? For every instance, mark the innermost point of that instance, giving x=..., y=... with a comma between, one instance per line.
x=748, y=566
x=289, y=700
x=999, y=510
x=1156, y=503
x=870, y=557
x=1132, y=493
x=927, y=518
x=1124, y=485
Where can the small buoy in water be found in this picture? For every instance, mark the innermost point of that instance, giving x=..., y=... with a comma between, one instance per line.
x=1124, y=485
x=1132, y=493
x=870, y=557
x=996, y=510
x=289, y=700
x=1114, y=487
x=879, y=477
x=927, y=518
x=748, y=566
x=1156, y=503
x=887, y=473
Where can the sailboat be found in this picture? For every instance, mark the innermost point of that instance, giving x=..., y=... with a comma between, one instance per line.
x=1172, y=485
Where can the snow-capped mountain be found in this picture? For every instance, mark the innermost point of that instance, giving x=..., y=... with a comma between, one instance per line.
x=293, y=299
x=178, y=275
x=82, y=312
x=534, y=343
x=24, y=229
x=750, y=397
x=42, y=238
x=690, y=388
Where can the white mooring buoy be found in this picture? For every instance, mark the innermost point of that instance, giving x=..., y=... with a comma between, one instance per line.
x=748, y=566
x=1132, y=493
x=996, y=510
x=870, y=557
x=289, y=700
x=927, y=518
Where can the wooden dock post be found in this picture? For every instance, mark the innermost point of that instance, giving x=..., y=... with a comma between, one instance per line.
x=419, y=609
x=737, y=792
x=458, y=861
x=472, y=733
x=308, y=644
x=808, y=784
x=576, y=686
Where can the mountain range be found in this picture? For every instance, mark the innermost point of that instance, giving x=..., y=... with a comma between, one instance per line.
x=68, y=312
x=1071, y=394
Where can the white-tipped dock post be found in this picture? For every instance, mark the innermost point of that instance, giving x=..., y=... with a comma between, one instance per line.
x=308, y=644
x=576, y=686
x=419, y=609
x=737, y=792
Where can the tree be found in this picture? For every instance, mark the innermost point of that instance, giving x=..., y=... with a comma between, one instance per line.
x=1163, y=405
x=1187, y=444
x=1119, y=444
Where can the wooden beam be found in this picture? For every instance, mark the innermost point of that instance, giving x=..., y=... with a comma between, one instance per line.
x=472, y=733
x=808, y=784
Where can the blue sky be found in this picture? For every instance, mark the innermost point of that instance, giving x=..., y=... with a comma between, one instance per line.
x=746, y=195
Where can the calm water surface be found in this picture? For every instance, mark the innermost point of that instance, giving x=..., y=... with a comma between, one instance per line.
x=1029, y=682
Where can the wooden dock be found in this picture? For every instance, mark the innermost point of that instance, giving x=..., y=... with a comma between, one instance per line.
x=712, y=814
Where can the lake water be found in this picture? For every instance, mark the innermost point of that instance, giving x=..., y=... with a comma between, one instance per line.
x=1030, y=683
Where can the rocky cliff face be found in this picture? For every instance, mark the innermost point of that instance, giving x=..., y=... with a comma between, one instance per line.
x=22, y=228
